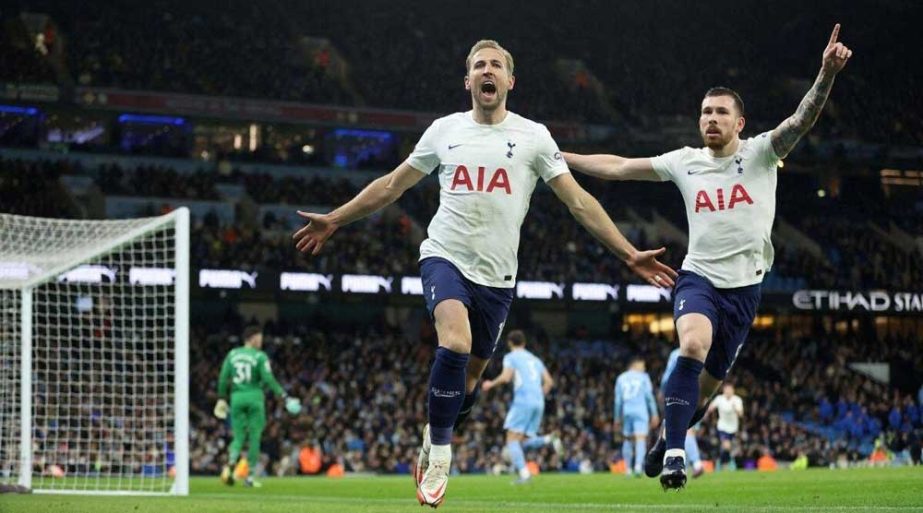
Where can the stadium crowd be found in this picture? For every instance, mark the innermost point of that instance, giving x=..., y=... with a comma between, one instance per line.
x=176, y=46
x=363, y=392
x=854, y=255
x=34, y=188
x=793, y=387
x=802, y=399
x=156, y=181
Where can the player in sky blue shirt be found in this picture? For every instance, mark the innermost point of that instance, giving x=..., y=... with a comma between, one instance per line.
x=531, y=383
x=692, y=445
x=635, y=409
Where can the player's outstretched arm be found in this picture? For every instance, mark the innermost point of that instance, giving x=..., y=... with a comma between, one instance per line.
x=612, y=167
x=377, y=195
x=787, y=134
x=591, y=215
x=505, y=377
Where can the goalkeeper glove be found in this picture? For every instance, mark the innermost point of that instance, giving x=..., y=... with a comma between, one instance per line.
x=293, y=405
x=221, y=409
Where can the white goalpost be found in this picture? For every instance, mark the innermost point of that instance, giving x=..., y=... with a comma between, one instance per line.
x=94, y=322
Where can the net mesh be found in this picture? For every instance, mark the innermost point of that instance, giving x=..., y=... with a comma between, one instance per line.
x=102, y=352
x=9, y=386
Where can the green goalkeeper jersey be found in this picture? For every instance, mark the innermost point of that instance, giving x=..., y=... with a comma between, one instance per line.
x=248, y=370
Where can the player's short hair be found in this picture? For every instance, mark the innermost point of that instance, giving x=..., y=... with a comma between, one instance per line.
x=516, y=338
x=727, y=91
x=252, y=329
x=489, y=43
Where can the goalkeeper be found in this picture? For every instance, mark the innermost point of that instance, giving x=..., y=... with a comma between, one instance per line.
x=248, y=370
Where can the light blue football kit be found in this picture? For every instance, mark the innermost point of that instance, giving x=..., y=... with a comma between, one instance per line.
x=634, y=405
x=525, y=414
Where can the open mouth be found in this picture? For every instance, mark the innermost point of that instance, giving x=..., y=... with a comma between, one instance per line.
x=488, y=88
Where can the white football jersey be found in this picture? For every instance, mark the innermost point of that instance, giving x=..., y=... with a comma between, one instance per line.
x=728, y=419
x=730, y=205
x=486, y=177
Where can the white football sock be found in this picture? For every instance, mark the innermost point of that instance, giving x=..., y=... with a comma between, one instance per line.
x=440, y=452
x=672, y=453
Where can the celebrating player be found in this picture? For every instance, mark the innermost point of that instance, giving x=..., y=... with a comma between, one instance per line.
x=635, y=412
x=531, y=383
x=691, y=445
x=730, y=408
x=729, y=188
x=488, y=161
x=248, y=369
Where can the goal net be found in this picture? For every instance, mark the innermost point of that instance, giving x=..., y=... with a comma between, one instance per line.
x=94, y=344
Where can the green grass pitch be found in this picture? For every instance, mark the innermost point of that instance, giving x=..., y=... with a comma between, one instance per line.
x=855, y=490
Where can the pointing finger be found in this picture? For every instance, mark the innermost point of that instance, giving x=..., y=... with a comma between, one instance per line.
x=834, y=35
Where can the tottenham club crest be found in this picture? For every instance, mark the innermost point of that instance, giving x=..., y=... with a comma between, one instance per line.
x=509, y=154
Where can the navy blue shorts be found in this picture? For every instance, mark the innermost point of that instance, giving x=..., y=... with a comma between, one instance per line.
x=731, y=312
x=724, y=436
x=487, y=306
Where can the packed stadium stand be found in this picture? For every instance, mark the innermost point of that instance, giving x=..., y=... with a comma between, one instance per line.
x=798, y=401
x=837, y=255
x=176, y=46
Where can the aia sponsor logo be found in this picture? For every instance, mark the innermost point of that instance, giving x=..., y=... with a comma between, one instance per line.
x=482, y=181
x=705, y=202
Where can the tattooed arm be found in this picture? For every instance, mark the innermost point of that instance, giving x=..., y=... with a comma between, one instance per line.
x=787, y=134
